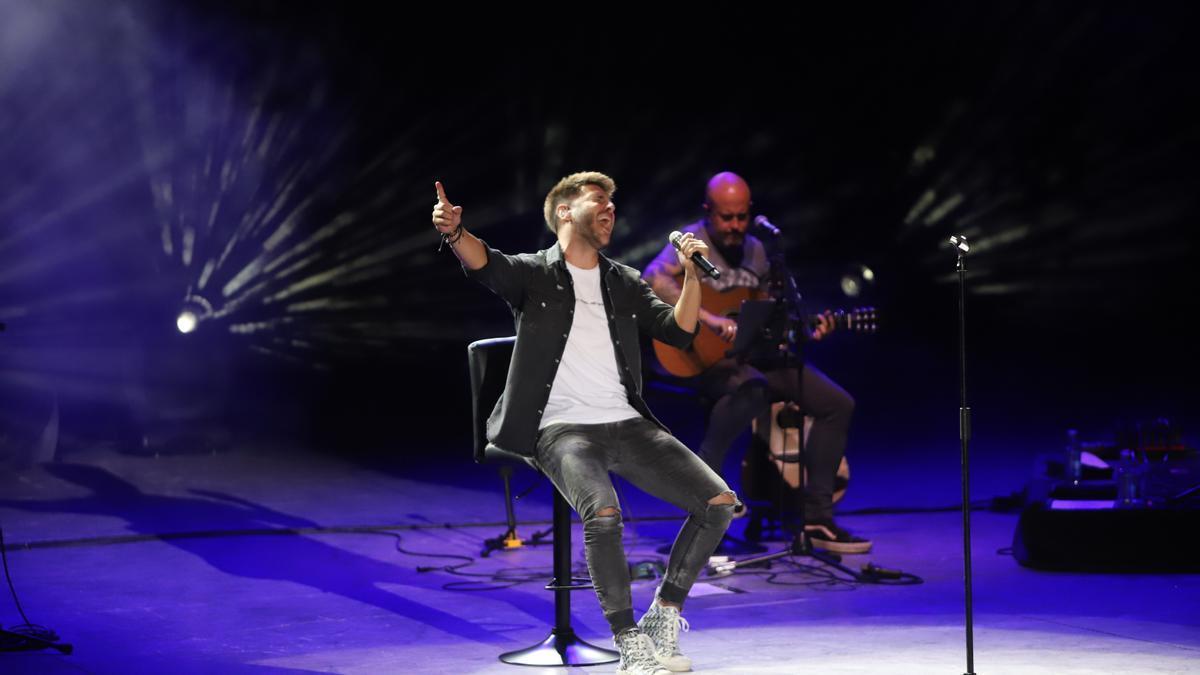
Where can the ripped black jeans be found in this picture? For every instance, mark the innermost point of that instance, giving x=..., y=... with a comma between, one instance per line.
x=578, y=458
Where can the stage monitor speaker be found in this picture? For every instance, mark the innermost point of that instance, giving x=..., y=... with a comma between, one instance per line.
x=1153, y=539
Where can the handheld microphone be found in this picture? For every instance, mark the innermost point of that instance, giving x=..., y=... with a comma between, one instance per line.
x=697, y=257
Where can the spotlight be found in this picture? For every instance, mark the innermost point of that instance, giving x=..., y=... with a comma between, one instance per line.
x=195, y=309
x=186, y=322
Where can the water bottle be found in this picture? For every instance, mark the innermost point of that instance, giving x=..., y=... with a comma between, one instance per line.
x=1073, y=470
x=1128, y=474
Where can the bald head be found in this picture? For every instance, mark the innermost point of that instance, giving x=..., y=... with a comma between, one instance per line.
x=727, y=208
x=727, y=186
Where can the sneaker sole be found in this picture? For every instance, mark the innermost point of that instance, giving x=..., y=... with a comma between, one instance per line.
x=861, y=547
x=675, y=664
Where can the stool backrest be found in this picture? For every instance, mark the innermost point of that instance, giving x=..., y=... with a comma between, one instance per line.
x=488, y=362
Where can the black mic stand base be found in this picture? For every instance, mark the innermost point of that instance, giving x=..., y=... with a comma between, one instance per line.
x=13, y=642
x=800, y=546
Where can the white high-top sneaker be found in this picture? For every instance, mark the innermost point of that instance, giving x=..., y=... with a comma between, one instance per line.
x=637, y=654
x=662, y=625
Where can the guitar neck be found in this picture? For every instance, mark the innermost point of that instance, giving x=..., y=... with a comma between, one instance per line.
x=863, y=320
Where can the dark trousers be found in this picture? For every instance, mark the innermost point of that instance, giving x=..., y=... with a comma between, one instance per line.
x=578, y=458
x=742, y=393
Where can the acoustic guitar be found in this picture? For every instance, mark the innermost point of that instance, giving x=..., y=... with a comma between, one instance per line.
x=708, y=347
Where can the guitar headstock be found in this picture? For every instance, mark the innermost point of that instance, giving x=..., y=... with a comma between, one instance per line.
x=859, y=319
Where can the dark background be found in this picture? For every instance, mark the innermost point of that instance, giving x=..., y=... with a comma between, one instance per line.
x=290, y=150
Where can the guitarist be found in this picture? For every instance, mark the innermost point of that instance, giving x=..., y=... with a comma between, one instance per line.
x=742, y=392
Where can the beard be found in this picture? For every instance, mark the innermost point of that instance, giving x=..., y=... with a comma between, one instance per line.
x=731, y=245
x=731, y=240
x=732, y=254
x=590, y=232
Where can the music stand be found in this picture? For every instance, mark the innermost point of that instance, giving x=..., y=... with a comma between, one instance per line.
x=756, y=326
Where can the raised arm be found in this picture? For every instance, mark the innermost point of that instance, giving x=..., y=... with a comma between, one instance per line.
x=447, y=219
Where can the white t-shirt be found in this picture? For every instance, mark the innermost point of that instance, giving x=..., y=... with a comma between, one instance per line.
x=587, y=387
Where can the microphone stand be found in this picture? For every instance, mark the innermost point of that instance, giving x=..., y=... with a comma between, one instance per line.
x=11, y=641
x=788, y=299
x=961, y=248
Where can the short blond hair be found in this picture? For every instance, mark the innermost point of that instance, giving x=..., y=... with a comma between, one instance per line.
x=571, y=187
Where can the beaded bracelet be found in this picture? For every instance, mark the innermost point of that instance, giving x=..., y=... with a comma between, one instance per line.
x=451, y=237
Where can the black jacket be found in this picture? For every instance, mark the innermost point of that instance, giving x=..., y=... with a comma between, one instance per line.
x=539, y=290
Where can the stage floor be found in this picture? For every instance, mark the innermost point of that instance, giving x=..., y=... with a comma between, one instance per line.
x=263, y=559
